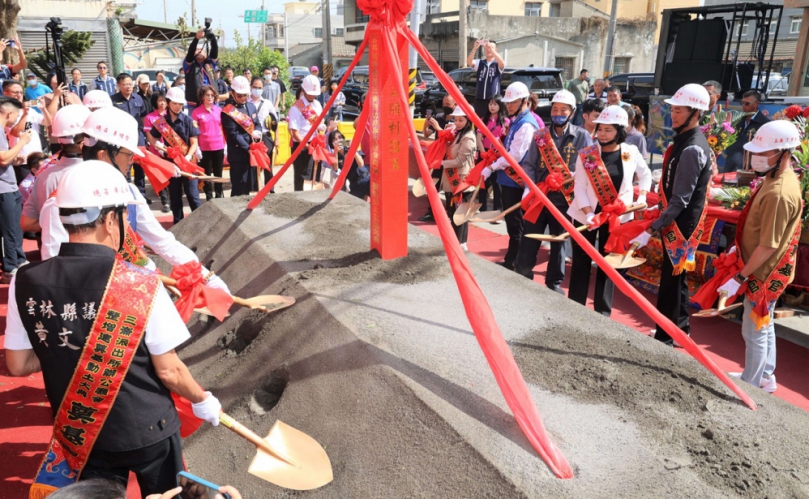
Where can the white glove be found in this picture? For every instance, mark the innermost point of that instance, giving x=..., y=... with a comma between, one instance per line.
x=486, y=173
x=731, y=250
x=588, y=218
x=525, y=192
x=215, y=281
x=177, y=172
x=731, y=287
x=642, y=239
x=208, y=410
x=256, y=134
x=188, y=157
x=641, y=199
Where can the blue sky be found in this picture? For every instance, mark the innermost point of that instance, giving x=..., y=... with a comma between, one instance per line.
x=223, y=12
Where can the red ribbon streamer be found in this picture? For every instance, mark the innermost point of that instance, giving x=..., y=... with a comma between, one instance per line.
x=487, y=158
x=176, y=155
x=676, y=333
x=259, y=157
x=727, y=265
x=319, y=152
x=359, y=127
x=478, y=311
x=620, y=236
x=253, y=204
x=158, y=170
x=437, y=151
x=196, y=294
x=188, y=422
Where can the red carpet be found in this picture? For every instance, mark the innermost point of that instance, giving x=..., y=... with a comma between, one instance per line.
x=26, y=420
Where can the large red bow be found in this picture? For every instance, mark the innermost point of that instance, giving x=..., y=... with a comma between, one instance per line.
x=259, y=157
x=727, y=265
x=158, y=170
x=196, y=294
x=176, y=155
x=553, y=182
x=621, y=235
x=437, y=151
x=487, y=158
x=610, y=213
x=387, y=12
x=318, y=150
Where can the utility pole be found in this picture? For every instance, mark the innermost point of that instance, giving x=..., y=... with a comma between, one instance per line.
x=462, y=33
x=194, y=14
x=610, y=52
x=263, y=28
x=326, y=39
x=165, y=13
x=415, y=22
x=286, y=37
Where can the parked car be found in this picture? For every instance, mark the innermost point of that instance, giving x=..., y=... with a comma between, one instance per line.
x=429, y=79
x=636, y=88
x=544, y=82
x=357, y=86
x=296, y=76
x=169, y=75
x=777, y=85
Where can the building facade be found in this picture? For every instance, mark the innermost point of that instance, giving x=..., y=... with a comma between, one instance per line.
x=301, y=23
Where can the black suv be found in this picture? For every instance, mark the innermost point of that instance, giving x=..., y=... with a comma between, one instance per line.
x=636, y=88
x=357, y=86
x=544, y=82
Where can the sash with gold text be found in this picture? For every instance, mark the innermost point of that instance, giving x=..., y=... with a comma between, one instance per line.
x=239, y=117
x=553, y=160
x=169, y=135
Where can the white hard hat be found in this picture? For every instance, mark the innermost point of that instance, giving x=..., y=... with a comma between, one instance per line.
x=240, y=85
x=691, y=95
x=68, y=122
x=96, y=99
x=775, y=135
x=613, y=115
x=91, y=185
x=177, y=95
x=564, y=97
x=311, y=85
x=113, y=126
x=516, y=91
x=458, y=112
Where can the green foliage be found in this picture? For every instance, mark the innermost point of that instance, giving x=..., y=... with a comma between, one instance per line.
x=74, y=45
x=255, y=56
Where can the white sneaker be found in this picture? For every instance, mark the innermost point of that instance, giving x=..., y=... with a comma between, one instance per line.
x=464, y=247
x=735, y=375
x=768, y=384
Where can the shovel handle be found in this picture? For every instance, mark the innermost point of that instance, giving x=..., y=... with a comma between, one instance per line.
x=630, y=252
x=245, y=303
x=723, y=300
x=246, y=433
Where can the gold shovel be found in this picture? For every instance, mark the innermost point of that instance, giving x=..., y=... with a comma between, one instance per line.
x=287, y=457
x=418, y=188
x=626, y=260
x=493, y=216
x=205, y=178
x=257, y=302
x=721, y=308
x=467, y=209
x=564, y=235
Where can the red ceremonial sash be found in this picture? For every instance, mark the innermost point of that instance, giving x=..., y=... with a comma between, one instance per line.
x=437, y=151
x=131, y=251
x=306, y=111
x=763, y=295
x=611, y=207
x=169, y=135
x=681, y=251
x=553, y=160
x=239, y=117
x=512, y=174
x=105, y=359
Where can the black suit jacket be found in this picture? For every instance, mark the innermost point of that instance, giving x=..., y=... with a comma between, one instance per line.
x=734, y=155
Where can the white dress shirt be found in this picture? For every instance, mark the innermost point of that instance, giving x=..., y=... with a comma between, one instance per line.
x=519, y=146
x=296, y=119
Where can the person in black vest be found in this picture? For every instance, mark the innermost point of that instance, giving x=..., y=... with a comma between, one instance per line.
x=52, y=317
x=569, y=139
x=684, y=184
x=735, y=157
x=199, y=68
x=237, y=137
x=489, y=72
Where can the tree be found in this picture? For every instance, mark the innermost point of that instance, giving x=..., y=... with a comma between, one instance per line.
x=256, y=56
x=74, y=45
x=8, y=27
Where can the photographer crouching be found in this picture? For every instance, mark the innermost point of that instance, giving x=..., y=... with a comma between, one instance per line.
x=200, y=68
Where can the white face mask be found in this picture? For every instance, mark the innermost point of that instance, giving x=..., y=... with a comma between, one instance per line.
x=256, y=92
x=761, y=164
x=32, y=82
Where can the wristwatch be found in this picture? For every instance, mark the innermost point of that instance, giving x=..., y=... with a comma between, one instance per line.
x=740, y=278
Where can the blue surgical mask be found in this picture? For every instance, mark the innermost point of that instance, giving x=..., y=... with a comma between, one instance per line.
x=256, y=92
x=559, y=120
x=32, y=82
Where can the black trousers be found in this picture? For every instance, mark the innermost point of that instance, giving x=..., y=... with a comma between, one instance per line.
x=267, y=174
x=461, y=231
x=155, y=466
x=580, y=273
x=212, y=162
x=176, y=188
x=239, y=176
x=527, y=255
x=672, y=299
x=301, y=167
x=514, y=223
x=10, y=230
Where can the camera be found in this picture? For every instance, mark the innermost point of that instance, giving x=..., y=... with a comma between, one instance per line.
x=56, y=63
x=208, y=31
x=55, y=26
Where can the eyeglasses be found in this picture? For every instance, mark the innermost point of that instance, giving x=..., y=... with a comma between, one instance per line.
x=209, y=95
x=102, y=67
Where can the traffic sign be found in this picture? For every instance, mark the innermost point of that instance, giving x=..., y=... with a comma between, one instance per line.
x=255, y=16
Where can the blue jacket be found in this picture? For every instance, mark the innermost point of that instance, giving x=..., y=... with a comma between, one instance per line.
x=526, y=118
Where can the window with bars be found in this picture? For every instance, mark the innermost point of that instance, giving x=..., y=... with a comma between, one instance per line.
x=270, y=31
x=338, y=31
x=556, y=10
x=280, y=31
x=318, y=32
x=359, y=17
x=566, y=65
x=742, y=27
x=340, y=8
x=433, y=6
x=621, y=65
x=533, y=9
x=795, y=25
x=479, y=4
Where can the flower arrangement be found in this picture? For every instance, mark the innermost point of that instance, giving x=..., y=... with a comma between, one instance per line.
x=734, y=198
x=721, y=129
x=590, y=162
x=799, y=116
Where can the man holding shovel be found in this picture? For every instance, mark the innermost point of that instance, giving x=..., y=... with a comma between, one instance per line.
x=554, y=156
x=103, y=332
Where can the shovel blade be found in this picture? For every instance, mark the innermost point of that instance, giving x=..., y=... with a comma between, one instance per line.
x=488, y=216
x=270, y=302
x=464, y=212
x=310, y=467
x=619, y=261
x=418, y=188
x=716, y=312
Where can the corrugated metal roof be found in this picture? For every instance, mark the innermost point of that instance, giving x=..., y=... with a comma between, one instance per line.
x=784, y=50
x=87, y=64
